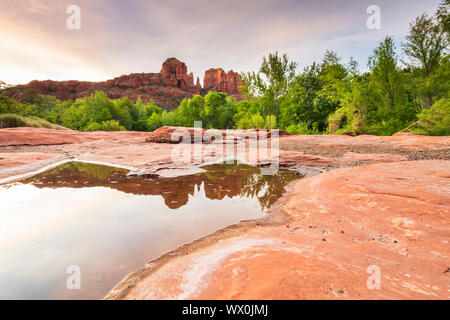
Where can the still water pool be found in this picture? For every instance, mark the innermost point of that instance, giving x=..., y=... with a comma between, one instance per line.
x=96, y=218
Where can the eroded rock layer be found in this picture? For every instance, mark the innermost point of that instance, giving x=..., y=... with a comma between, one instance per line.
x=166, y=88
x=218, y=80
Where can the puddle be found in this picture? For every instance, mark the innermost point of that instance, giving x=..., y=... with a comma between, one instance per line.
x=109, y=225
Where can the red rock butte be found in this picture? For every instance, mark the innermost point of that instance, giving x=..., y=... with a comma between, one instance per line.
x=219, y=80
x=166, y=88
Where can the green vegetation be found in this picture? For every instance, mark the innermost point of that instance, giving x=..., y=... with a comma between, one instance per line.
x=248, y=182
x=94, y=171
x=92, y=113
x=328, y=96
x=434, y=121
x=9, y=120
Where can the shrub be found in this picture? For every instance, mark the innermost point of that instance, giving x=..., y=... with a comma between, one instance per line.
x=140, y=125
x=257, y=121
x=434, y=121
x=8, y=120
x=154, y=122
x=110, y=125
x=93, y=126
x=301, y=128
x=11, y=121
x=271, y=122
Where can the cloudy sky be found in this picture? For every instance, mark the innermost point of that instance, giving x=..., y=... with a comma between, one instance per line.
x=120, y=37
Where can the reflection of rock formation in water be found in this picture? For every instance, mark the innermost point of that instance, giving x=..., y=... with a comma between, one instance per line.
x=222, y=181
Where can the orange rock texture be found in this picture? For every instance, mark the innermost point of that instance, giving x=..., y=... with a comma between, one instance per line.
x=164, y=134
x=382, y=205
x=324, y=242
x=220, y=81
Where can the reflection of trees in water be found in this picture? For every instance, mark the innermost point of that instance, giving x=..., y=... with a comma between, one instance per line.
x=246, y=181
x=267, y=188
x=96, y=171
x=219, y=181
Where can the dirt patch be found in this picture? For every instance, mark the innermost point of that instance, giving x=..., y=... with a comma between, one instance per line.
x=326, y=146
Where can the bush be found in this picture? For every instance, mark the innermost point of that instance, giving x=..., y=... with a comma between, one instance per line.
x=434, y=121
x=11, y=121
x=93, y=126
x=154, y=122
x=271, y=122
x=110, y=125
x=244, y=123
x=8, y=105
x=8, y=120
x=257, y=121
x=301, y=128
x=140, y=125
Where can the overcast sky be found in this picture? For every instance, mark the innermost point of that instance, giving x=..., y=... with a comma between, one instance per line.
x=121, y=37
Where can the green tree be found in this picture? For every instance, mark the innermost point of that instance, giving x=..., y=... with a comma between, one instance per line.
x=307, y=101
x=257, y=121
x=8, y=105
x=218, y=111
x=124, y=108
x=110, y=125
x=434, y=121
x=154, y=122
x=271, y=122
x=425, y=44
x=443, y=17
x=244, y=110
x=427, y=48
x=386, y=76
x=350, y=117
x=270, y=83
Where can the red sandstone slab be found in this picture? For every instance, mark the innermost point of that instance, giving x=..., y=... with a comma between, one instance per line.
x=377, y=157
x=410, y=141
x=392, y=216
x=41, y=136
x=13, y=164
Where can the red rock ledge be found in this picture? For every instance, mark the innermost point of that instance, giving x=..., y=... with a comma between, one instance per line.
x=367, y=210
x=320, y=243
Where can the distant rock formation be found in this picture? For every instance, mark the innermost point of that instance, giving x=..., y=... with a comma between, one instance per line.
x=166, y=88
x=174, y=74
x=218, y=80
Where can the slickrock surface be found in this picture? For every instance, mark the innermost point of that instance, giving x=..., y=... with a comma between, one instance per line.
x=306, y=154
x=41, y=136
x=365, y=149
x=168, y=134
x=24, y=149
x=321, y=242
x=383, y=201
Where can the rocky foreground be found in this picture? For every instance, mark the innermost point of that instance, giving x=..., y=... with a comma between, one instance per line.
x=369, y=204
